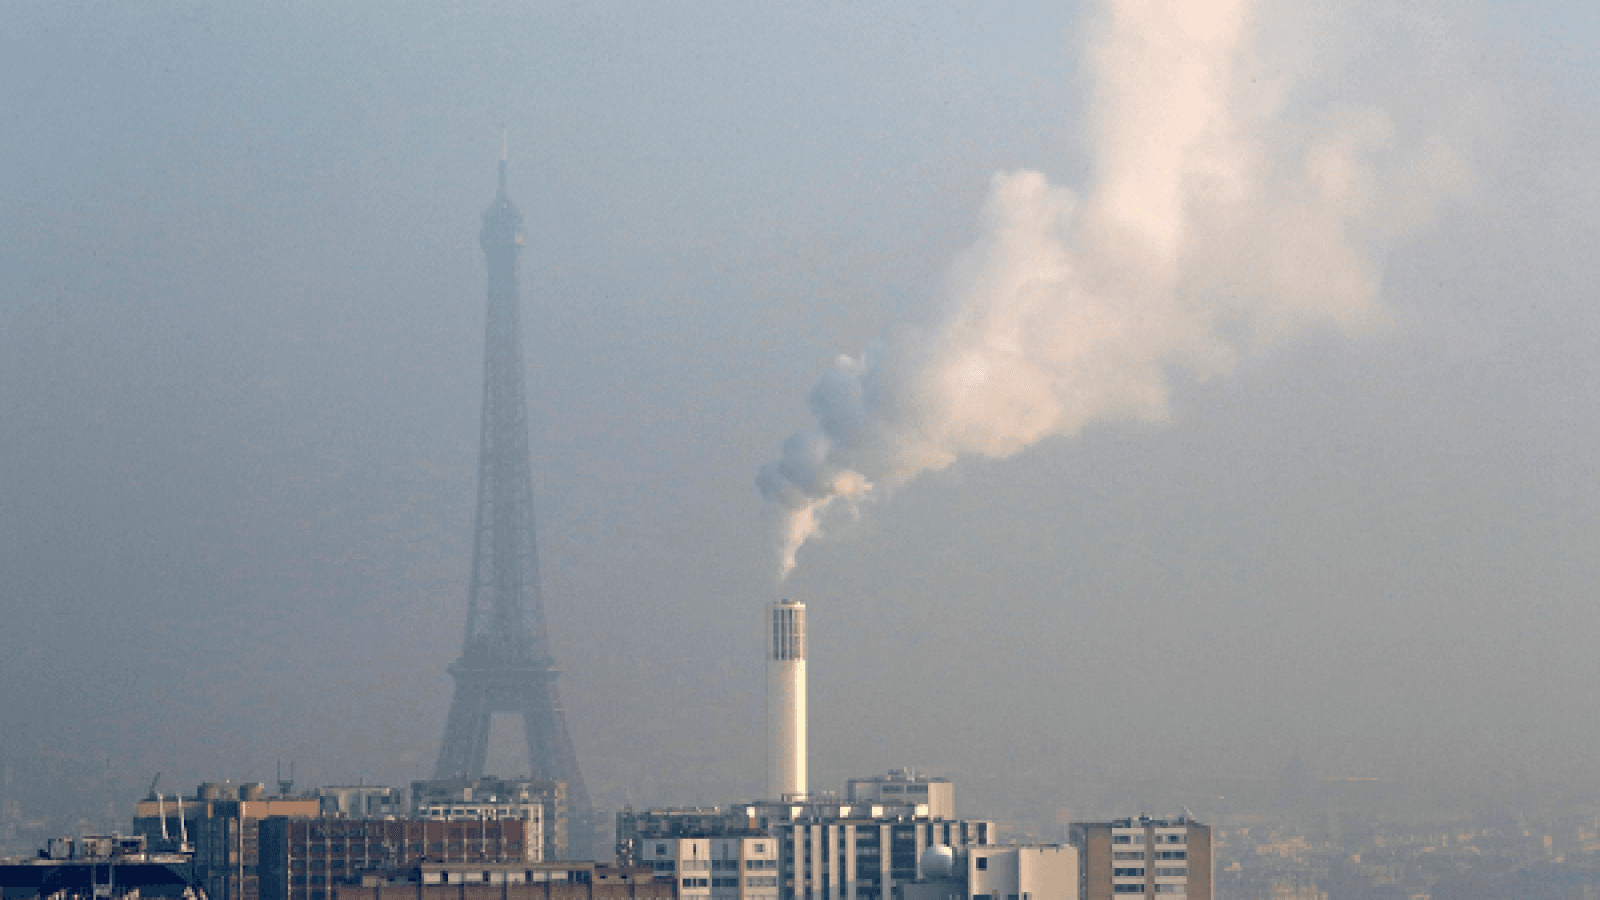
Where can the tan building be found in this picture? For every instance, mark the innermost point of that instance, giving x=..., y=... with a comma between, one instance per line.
x=1141, y=856
x=222, y=823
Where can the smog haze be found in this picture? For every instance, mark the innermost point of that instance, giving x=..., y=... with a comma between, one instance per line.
x=1349, y=516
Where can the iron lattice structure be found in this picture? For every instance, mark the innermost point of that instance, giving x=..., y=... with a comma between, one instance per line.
x=505, y=664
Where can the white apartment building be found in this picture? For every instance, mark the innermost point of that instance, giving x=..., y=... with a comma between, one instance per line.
x=741, y=867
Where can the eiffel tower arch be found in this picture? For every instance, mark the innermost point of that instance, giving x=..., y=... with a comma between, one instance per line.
x=505, y=664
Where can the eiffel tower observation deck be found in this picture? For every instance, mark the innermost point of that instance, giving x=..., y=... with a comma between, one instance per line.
x=505, y=664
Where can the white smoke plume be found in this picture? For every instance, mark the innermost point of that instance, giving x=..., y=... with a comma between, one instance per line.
x=1214, y=224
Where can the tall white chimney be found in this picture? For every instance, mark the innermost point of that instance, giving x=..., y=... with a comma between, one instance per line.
x=786, y=700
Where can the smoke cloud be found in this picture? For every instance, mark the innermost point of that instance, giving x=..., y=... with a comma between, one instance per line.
x=1219, y=219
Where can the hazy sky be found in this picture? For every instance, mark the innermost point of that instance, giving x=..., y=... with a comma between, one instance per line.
x=241, y=311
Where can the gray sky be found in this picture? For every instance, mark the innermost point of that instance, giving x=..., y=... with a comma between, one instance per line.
x=241, y=304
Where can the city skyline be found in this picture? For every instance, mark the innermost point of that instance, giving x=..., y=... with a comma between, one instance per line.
x=240, y=350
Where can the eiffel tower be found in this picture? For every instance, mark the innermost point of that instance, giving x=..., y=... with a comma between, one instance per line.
x=505, y=664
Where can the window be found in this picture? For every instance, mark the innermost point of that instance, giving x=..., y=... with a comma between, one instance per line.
x=1127, y=889
x=1128, y=873
x=1171, y=889
x=1128, y=854
x=661, y=849
x=1173, y=854
x=983, y=863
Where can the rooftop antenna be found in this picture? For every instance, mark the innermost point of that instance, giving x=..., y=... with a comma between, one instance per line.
x=161, y=813
x=183, y=827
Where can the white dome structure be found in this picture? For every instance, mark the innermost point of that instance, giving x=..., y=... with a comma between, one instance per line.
x=938, y=861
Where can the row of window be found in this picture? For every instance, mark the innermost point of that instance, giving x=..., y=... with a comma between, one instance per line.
x=1161, y=872
x=1158, y=839
x=1172, y=854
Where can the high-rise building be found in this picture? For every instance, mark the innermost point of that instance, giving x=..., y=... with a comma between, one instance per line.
x=1144, y=856
x=505, y=664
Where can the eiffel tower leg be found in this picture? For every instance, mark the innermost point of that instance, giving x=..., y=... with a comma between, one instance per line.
x=466, y=734
x=551, y=758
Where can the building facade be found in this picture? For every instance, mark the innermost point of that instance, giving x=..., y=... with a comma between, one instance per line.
x=1008, y=872
x=741, y=867
x=538, y=881
x=306, y=858
x=822, y=849
x=544, y=802
x=363, y=801
x=905, y=786
x=221, y=824
x=1144, y=855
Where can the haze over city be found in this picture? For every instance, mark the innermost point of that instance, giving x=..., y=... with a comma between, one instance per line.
x=1332, y=501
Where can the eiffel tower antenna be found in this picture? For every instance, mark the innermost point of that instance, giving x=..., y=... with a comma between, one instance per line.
x=505, y=664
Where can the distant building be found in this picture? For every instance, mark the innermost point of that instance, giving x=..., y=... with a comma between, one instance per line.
x=221, y=823
x=537, y=881
x=544, y=802
x=363, y=801
x=906, y=786
x=1144, y=856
